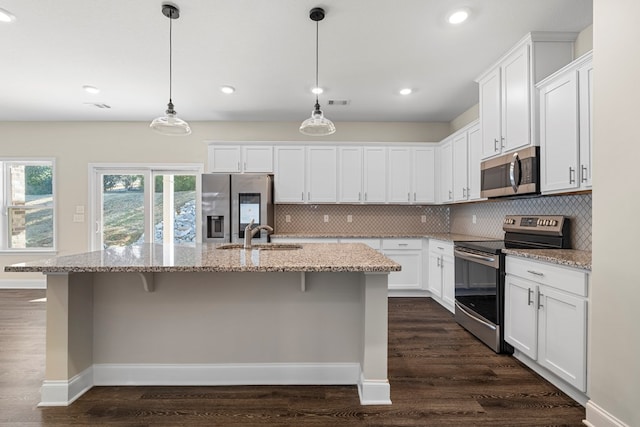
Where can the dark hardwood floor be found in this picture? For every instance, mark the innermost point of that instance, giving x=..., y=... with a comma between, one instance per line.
x=440, y=376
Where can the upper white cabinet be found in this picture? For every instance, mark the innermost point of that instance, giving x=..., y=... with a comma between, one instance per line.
x=446, y=171
x=362, y=174
x=566, y=109
x=374, y=174
x=240, y=158
x=460, y=157
x=411, y=175
x=508, y=107
x=305, y=174
x=350, y=168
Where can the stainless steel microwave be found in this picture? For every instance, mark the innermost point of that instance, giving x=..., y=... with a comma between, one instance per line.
x=513, y=174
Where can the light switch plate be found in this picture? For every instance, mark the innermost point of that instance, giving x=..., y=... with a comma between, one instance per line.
x=423, y=218
x=349, y=218
x=287, y=218
x=326, y=218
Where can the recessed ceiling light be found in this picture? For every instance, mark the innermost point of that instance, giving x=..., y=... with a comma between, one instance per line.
x=91, y=89
x=406, y=91
x=458, y=16
x=227, y=89
x=6, y=16
x=317, y=90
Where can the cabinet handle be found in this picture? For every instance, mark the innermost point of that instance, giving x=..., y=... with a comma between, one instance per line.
x=529, y=301
x=572, y=177
x=365, y=196
x=495, y=144
x=302, y=196
x=502, y=145
x=309, y=196
x=403, y=244
x=450, y=195
x=359, y=196
x=441, y=248
x=245, y=165
x=238, y=167
x=464, y=192
x=583, y=173
x=438, y=262
x=540, y=295
x=408, y=197
x=468, y=193
x=537, y=273
x=414, y=197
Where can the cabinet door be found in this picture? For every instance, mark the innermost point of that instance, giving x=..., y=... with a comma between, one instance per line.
x=350, y=174
x=516, y=100
x=585, y=84
x=474, y=158
x=562, y=331
x=257, y=158
x=520, y=312
x=289, y=171
x=322, y=172
x=446, y=172
x=224, y=158
x=490, y=113
x=375, y=174
x=460, y=167
x=409, y=276
x=435, y=275
x=399, y=182
x=424, y=175
x=448, y=282
x=559, y=134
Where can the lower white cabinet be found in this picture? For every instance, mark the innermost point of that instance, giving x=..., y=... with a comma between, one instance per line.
x=407, y=253
x=441, y=273
x=546, y=317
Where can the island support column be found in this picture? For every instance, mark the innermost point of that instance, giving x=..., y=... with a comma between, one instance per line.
x=69, y=342
x=374, y=386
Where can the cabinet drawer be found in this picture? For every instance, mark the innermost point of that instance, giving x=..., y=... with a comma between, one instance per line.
x=564, y=278
x=402, y=244
x=440, y=246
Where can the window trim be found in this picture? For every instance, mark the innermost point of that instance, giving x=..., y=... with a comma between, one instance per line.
x=4, y=198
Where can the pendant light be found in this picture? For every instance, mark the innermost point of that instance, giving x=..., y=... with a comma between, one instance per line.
x=317, y=124
x=170, y=124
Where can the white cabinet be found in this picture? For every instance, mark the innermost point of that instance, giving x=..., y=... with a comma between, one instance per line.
x=546, y=317
x=566, y=109
x=508, y=104
x=240, y=158
x=350, y=168
x=305, y=174
x=460, y=185
x=441, y=273
x=474, y=156
x=446, y=171
x=407, y=253
x=411, y=175
x=374, y=174
x=289, y=174
x=322, y=174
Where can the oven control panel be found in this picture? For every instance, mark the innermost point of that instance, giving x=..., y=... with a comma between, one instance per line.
x=549, y=224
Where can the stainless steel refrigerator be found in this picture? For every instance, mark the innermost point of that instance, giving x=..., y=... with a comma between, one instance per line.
x=231, y=201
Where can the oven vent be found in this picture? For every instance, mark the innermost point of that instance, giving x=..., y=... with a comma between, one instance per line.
x=341, y=102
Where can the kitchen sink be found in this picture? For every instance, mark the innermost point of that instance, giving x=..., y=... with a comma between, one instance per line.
x=262, y=246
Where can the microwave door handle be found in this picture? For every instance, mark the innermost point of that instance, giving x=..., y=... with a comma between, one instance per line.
x=514, y=172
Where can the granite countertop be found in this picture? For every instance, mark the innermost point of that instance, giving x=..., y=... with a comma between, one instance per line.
x=450, y=237
x=325, y=257
x=567, y=257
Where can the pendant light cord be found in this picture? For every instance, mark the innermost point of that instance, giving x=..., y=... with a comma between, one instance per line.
x=170, y=55
x=317, y=87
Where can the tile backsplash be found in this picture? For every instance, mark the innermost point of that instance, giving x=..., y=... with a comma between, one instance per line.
x=390, y=219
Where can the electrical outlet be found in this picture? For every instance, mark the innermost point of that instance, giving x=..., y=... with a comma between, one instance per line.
x=287, y=218
x=423, y=218
x=326, y=218
x=473, y=219
x=349, y=218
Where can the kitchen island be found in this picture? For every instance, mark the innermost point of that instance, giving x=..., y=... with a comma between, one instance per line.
x=201, y=315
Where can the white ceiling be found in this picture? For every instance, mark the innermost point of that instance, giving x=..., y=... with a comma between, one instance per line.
x=369, y=49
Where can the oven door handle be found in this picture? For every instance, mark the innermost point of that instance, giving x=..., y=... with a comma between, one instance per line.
x=485, y=323
x=462, y=254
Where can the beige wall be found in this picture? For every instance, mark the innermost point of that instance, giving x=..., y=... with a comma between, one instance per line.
x=615, y=339
x=74, y=145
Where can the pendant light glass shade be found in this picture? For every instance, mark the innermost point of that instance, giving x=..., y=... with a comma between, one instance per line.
x=170, y=124
x=317, y=124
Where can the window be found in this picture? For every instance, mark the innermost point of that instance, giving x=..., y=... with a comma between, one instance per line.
x=132, y=203
x=28, y=205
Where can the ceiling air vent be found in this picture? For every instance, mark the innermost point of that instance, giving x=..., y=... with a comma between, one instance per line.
x=339, y=102
x=98, y=104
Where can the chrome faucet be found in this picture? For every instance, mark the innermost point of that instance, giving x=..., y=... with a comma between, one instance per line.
x=249, y=232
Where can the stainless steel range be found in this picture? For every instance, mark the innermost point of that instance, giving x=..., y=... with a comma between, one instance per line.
x=480, y=273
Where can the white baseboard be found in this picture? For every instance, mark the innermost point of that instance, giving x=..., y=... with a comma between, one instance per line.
x=23, y=283
x=65, y=392
x=227, y=374
x=598, y=417
x=408, y=293
x=374, y=392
